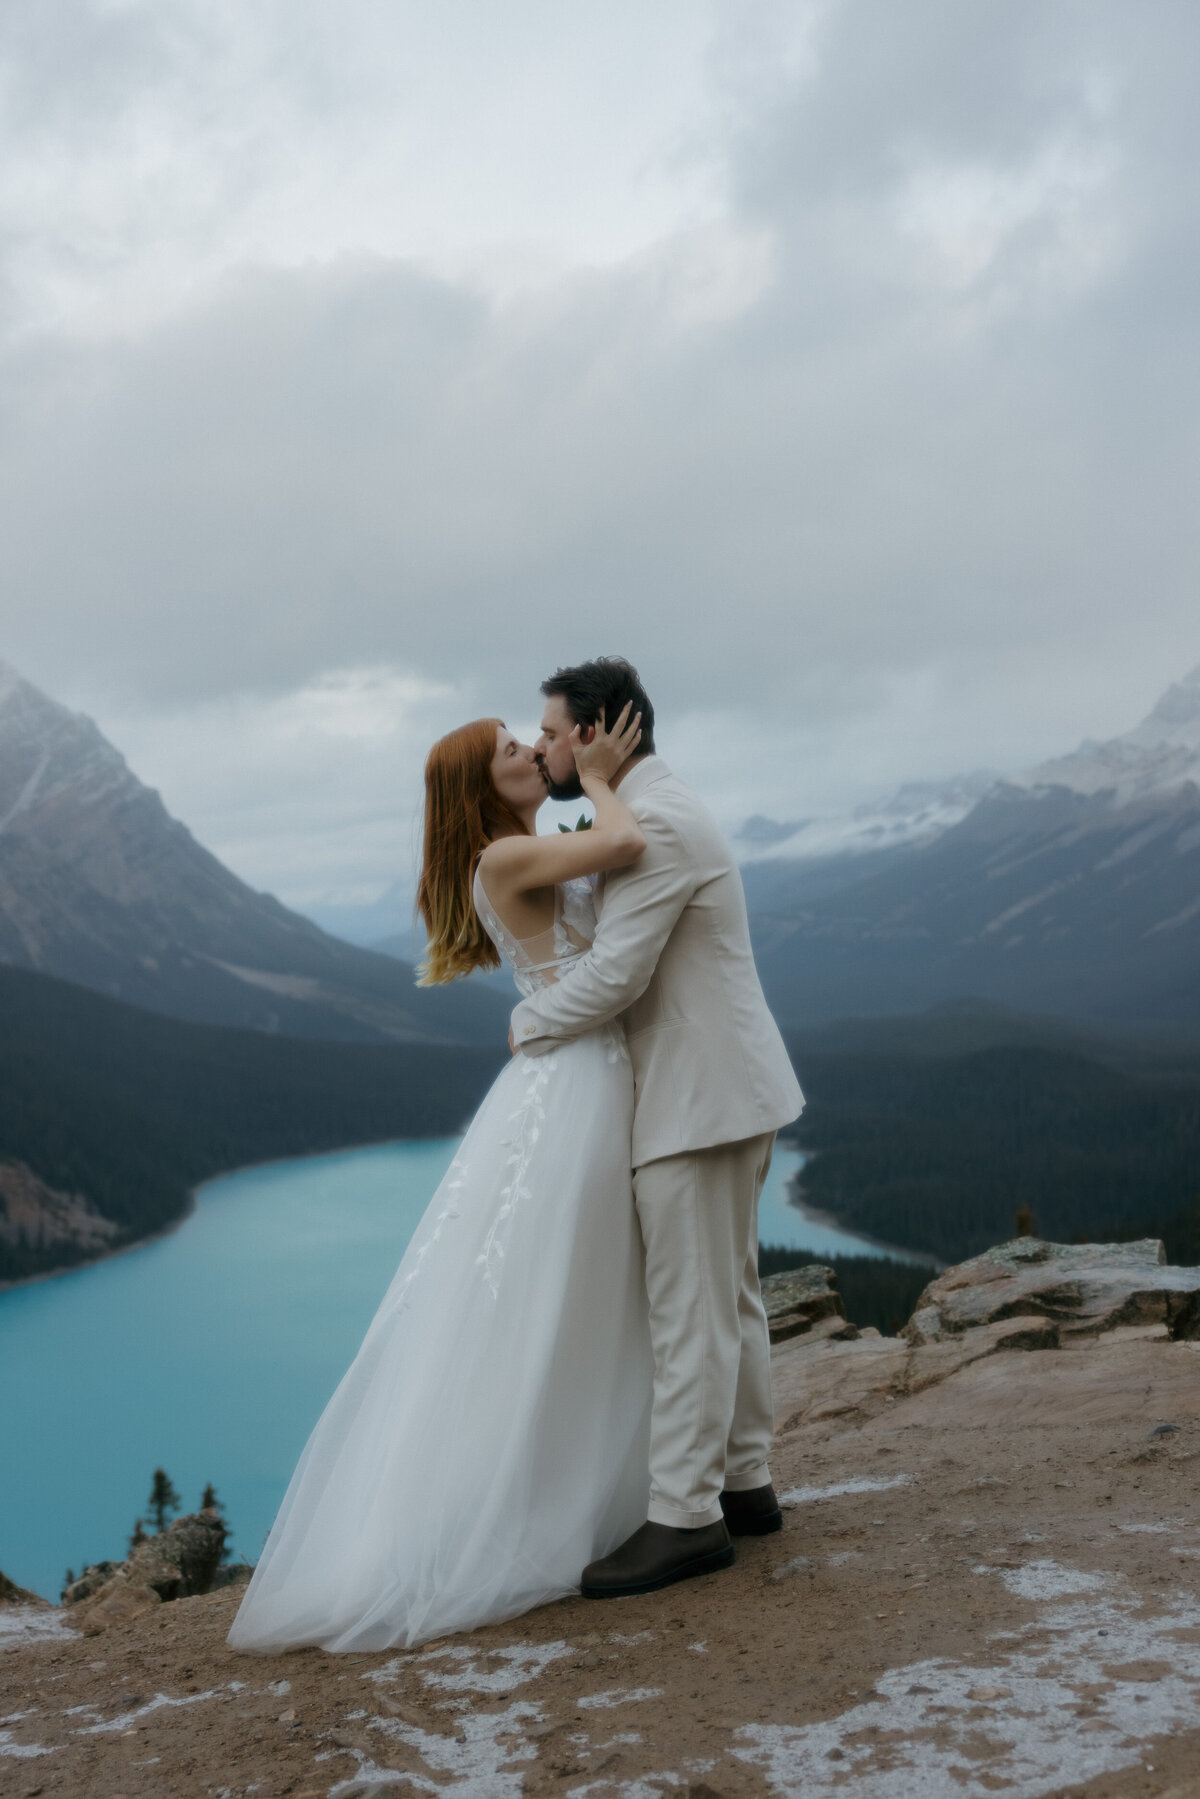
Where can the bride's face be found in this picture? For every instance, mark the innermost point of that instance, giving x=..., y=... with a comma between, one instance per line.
x=516, y=775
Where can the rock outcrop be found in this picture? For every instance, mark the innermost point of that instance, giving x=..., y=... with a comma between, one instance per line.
x=1082, y=1289
x=801, y=1300
x=177, y=1564
x=94, y=1576
x=36, y=1216
x=12, y=1594
x=1023, y=1295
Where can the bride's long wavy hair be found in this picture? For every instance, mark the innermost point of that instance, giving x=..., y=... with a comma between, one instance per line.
x=463, y=812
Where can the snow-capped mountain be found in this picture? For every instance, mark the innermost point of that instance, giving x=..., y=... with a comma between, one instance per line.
x=915, y=813
x=100, y=885
x=1074, y=888
x=1159, y=756
x=49, y=755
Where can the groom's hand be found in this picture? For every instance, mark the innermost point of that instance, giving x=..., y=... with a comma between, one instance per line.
x=512, y=1042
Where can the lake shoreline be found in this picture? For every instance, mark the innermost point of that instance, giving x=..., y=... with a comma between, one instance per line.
x=830, y=1221
x=189, y=1207
x=213, y=1354
x=109, y=1255
x=812, y=1214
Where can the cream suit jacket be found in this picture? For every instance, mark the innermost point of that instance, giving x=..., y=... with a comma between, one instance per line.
x=672, y=960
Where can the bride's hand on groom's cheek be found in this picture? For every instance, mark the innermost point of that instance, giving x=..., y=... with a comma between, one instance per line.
x=599, y=751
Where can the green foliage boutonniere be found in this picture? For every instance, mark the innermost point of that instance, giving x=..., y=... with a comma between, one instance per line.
x=581, y=824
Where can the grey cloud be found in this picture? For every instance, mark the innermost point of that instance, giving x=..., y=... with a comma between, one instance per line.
x=878, y=464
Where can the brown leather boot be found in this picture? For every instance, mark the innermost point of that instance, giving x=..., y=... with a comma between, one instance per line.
x=754, y=1513
x=655, y=1556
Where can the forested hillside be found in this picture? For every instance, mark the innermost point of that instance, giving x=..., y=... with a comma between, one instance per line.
x=939, y=1153
x=131, y=1110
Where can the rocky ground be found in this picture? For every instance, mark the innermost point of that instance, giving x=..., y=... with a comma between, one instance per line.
x=988, y=1582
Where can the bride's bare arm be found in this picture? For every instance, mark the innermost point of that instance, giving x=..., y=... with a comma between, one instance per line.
x=523, y=864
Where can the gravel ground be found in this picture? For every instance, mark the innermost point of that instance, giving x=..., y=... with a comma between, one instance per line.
x=990, y=1586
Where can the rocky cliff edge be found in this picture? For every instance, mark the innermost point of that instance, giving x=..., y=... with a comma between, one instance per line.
x=988, y=1581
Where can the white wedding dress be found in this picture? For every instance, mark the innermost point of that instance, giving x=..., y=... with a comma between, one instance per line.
x=491, y=1436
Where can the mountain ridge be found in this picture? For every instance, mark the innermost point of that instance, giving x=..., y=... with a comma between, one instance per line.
x=1074, y=889
x=99, y=884
x=1157, y=757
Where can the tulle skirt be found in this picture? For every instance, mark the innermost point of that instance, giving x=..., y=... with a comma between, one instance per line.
x=491, y=1436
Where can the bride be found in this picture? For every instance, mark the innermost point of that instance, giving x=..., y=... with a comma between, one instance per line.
x=490, y=1437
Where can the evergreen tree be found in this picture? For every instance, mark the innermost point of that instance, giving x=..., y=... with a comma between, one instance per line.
x=163, y=1500
x=139, y=1534
x=211, y=1503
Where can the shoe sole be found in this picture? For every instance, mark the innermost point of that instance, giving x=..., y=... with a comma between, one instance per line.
x=705, y=1564
x=755, y=1527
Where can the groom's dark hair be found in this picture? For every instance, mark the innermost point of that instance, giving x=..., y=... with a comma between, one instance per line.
x=599, y=689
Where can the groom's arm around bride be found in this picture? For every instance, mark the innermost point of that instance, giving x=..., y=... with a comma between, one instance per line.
x=713, y=1083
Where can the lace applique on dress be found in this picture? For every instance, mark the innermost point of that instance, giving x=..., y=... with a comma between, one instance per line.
x=452, y=1184
x=536, y=962
x=526, y=1121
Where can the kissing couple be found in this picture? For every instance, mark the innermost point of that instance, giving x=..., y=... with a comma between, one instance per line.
x=567, y=1385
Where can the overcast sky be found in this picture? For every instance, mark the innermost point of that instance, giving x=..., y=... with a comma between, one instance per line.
x=836, y=360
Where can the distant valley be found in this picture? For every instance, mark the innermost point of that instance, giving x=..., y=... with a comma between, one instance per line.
x=160, y=1022
x=991, y=992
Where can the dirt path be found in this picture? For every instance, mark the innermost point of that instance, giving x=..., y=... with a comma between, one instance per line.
x=991, y=1587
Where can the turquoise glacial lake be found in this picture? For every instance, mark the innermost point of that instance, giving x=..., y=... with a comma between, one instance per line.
x=211, y=1352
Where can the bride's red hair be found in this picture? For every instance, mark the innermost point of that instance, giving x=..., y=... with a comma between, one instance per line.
x=463, y=812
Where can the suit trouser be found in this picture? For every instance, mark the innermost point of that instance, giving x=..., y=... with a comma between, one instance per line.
x=712, y=1419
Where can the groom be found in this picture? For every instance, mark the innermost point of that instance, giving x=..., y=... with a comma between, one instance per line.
x=712, y=1085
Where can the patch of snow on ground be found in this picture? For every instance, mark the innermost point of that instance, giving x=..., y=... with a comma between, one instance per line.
x=521, y=1663
x=20, y=1624
x=160, y=1700
x=860, y=1483
x=20, y=1751
x=786, y=1569
x=652, y=1787
x=923, y=1736
x=1046, y=1580
x=618, y=1696
x=476, y=1761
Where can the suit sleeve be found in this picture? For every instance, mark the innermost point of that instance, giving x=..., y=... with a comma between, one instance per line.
x=642, y=904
